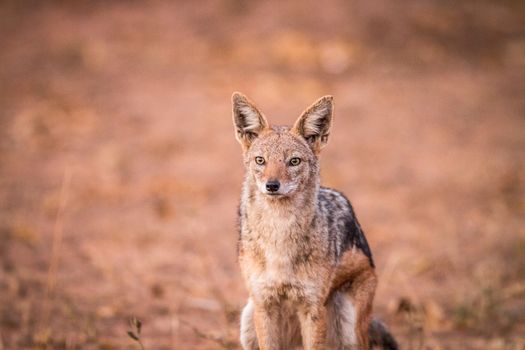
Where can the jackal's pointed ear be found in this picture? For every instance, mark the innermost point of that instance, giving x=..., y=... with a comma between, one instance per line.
x=249, y=122
x=314, y=124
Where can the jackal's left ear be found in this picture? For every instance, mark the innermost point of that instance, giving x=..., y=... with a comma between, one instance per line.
x=249, y=122
x=314, y=124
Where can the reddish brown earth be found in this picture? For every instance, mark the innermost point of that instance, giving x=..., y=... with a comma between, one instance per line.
x=119, y=172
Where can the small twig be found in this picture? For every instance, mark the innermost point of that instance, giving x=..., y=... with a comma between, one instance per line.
x=416, y=331
x=134, y=333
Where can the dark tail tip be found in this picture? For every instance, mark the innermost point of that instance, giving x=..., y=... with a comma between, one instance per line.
x=380, y=337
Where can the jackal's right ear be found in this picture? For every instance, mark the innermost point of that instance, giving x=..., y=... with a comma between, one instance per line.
x=249, y=122
x=315, y=122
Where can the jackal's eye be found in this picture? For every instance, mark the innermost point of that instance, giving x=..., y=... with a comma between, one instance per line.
x=259, y=160
x=295, y=161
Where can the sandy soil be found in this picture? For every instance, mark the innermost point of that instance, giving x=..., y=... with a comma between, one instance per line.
x=119, y=172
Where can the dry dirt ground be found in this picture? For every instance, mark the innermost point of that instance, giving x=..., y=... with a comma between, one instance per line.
x=119, y=172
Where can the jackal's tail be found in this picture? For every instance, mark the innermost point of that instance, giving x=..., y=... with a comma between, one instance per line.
x=380, y=337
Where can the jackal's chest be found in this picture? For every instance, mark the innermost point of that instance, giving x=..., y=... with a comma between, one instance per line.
x=280, y=279
x=275, y=272
x=277, y=254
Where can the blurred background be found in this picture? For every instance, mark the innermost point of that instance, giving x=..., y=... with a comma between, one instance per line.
x=120, y=174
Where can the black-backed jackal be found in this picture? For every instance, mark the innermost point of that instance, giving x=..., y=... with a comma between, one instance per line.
x=305, y=260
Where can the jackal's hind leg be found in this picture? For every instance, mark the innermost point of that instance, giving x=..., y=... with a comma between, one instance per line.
x=341, y=334
x=361, y=292
x=349, y=312
x=248, y=334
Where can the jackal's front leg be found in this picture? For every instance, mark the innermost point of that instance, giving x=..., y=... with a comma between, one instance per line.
x=313, y=328
x=267, y=327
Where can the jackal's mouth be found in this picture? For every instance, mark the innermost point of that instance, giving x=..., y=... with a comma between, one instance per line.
x=274, y=194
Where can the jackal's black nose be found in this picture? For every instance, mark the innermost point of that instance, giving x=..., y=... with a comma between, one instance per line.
x=272, y=186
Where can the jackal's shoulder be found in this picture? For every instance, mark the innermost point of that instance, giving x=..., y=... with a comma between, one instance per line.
x=344, y=230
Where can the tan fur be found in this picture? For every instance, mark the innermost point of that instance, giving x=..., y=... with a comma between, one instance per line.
x=358, y=280
x=299, y=292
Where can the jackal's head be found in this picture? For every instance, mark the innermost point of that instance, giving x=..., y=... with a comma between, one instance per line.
x=281, y=161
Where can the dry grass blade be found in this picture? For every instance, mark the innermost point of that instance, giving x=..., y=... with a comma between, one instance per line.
x=223, y=343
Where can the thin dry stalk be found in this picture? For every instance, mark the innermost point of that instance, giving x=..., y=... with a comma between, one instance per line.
x=58, y=229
